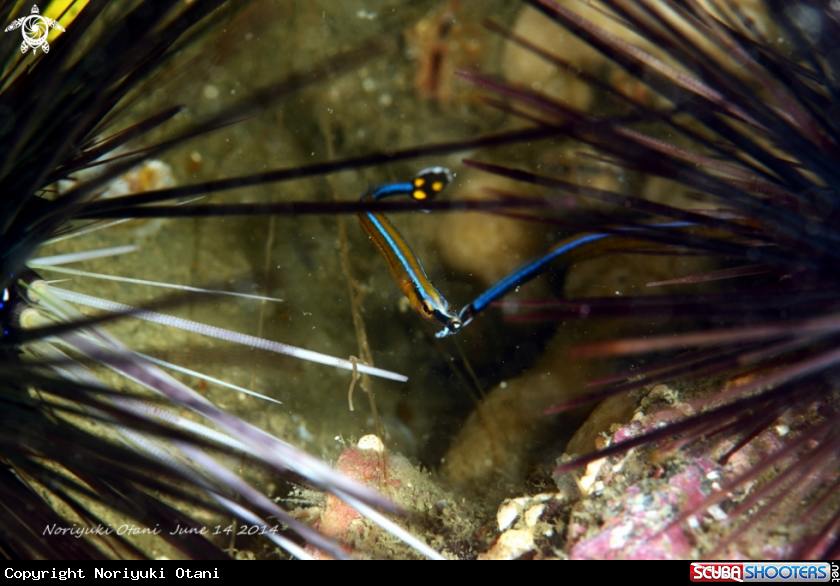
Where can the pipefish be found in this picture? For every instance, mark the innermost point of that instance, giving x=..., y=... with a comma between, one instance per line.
x=403, y=264
x=412, y=280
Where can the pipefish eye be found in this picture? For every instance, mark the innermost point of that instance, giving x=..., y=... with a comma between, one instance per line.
x=429, y=182
x=427, y=310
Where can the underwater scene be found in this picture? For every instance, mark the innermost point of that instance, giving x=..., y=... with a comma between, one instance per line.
x=459, y=279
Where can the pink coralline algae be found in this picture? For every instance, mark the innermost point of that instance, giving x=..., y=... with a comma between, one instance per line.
x=338, y=519
x=658, y=501
x=431, y=514
x=639, y=528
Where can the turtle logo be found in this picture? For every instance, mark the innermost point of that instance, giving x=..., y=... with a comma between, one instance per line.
x=34, y=29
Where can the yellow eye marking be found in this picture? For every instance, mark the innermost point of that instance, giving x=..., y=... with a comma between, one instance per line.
x=438, y=186
x=419, y=182
x=419, y=194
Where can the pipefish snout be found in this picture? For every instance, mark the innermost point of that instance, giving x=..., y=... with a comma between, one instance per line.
x=403, y=264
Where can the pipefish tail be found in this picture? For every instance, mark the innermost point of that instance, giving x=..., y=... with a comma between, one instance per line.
x=570, y=250
x=403, y=264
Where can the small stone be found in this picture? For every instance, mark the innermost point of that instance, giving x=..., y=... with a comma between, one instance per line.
x=510, y=545
x=506, y=515
x=591, y=474
x=532, y=515
x=371, y=442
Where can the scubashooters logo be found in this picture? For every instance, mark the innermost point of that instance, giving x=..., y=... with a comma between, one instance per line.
x=761, y=572
x=35, y=29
